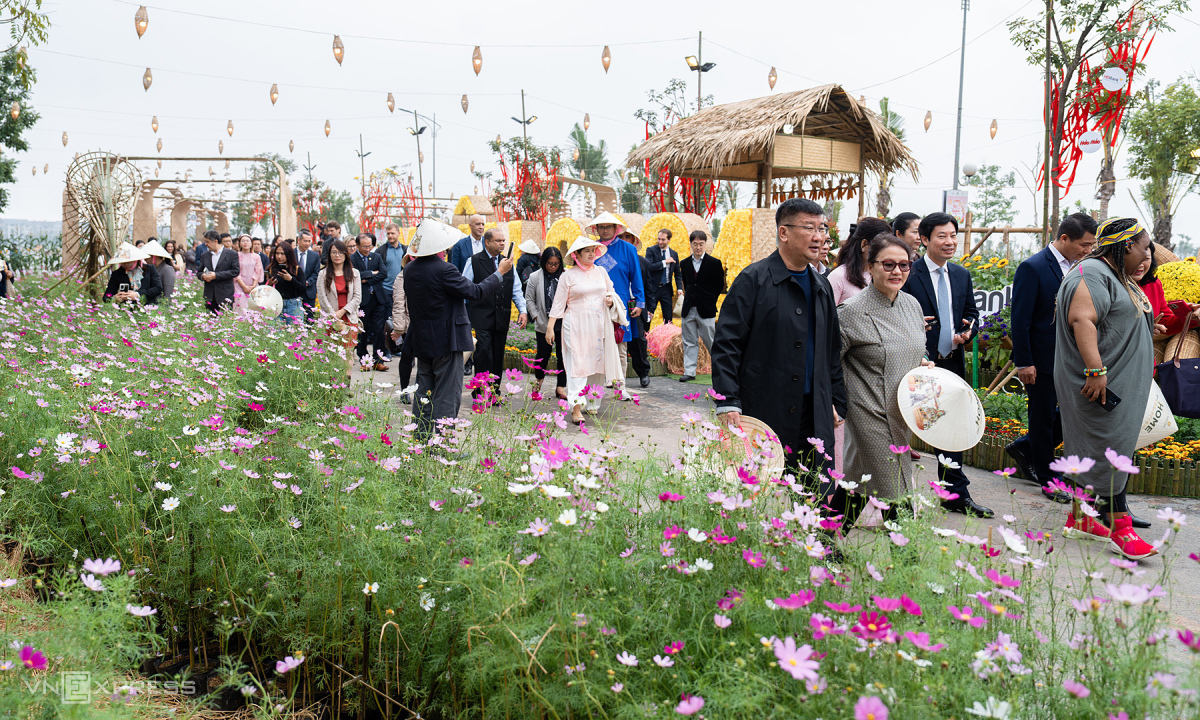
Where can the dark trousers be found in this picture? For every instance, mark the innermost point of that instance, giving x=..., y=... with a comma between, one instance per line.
x=1045, y=426
x=637, y=354
x=543, y=356
x=660, y=295
x=375, y=315
x=489, y=352
x=439, y=380
x=310, y=309
x=955, y=479
x=799, y=452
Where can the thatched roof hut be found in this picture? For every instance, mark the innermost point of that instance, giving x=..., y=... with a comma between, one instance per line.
x=831, y=133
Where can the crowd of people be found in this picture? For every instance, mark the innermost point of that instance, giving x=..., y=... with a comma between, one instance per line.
x=814, y=352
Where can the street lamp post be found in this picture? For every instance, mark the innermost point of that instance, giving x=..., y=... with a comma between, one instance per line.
x=962, y=65
x=694, y=63
x=416, y=131
x=524, y=121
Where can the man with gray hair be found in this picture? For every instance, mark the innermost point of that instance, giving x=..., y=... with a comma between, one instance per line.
x=490, y=314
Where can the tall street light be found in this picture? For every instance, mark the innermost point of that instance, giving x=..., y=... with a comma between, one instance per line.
x=962, y=65
x=694, y=63
x=416, y=131
x=524, y=123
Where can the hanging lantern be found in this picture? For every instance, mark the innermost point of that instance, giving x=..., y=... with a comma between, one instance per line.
x=477, y=60
x=575, y=155
x=328, y=128
x=862, y=100
x=992, y=130
x=498, y=140
x=210, y=171
x=291, y=146
x=22, y=56
x=475, y=190
x=473, y=169
x=221, y=146
x=229, y=128
x=226, y=164
x=339, y=50
x=583, y=174
x=141, y=19
x=154, y=123
x=147, y=79
x=772, y=77
x=420, y=157
x=587, y=121
x=606, y=59
x=34, y=169
x=160, y=144
x=64, y=138
x=391, y=103
x=274, y=93
x=464, y=104
x=46, y=170
x=155, y=172
x=160, y=164
x=15, y=110
x=928, y=119
x=430, y=187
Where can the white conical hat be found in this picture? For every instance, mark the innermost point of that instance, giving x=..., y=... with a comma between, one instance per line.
x=941, y=409
x=582, y=242
x=154, y=248
x=606, y=218
x=128, y=253
x=432, y=237
x=531, y=247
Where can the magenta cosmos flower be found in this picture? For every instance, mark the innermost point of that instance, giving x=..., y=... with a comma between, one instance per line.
x=871, y=626
x=965, y=615
x=1076, y=689
x=555, y=452
x=869, y=707
x=33, y=659
x=670, y=497
x=796, y=661
x=795, y=601
x=754, y=559
x=689, y=704
x=1072, y=465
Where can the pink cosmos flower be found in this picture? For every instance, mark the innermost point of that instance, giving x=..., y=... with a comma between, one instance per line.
x=670, y=497
x=617, y=687
x=899, y=449
x=628, y=551
x=1189, y=640
x=287, y=664
x=723, y=622
x=754, y=559
x=886, y=604
x=626, y=659
x=256, y=407
x=965, y=615
x=1006, y=472
x=674, y=647
x=33, y=659
x=1120, y=463
x=910, y=606
x=1072, y=465
x=870, y=707
x=528, y=559
x=666, y=549
x=555, y=452
x=103, y=567
x=796, y=601
x=993, y=608
x=663, y=662
x=921, y=640
x=1076, y=689
x=943, y=494
x=818, y=445
x=796, y=661
x=1002, y=580
x=732, y=598
x=689, y=704
x=871, y=626
x=746, y=476
x=672, y=532
x=843, y=608
x=823, y=626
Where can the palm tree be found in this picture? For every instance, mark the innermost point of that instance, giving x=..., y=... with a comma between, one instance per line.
x=895, y=124
x=588, y=162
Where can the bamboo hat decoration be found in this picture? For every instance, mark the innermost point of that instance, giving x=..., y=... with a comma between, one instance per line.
x=606, y=218
x=531, y=247
x=582, y=243
x=433, y=237
x=266, y=300
x=757, y=448
x=941, y=409
x=153, y=248
x=128, y=253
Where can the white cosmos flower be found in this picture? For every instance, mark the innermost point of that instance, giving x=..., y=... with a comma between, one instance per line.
x=568, y=518
x=170, y=504
x=948, y=462
x=601, y=507
x=554, y=491
x=994, y=708
x=162, y=486
x=519, y=488
x=703, y=564
x=944, y=532
x=587, y=482
x=370, y=588
x=695, y=535
x=190, y=430
x=427, y=602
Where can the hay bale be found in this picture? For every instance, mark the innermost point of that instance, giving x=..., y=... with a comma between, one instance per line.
x=1162, y=256
x=469, y=205
x=633, y=221
x=521, y=230
x=564, y=231
x=763, y=234
x=666, y=343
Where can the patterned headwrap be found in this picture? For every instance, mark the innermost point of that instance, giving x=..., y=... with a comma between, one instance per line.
x=1106, y=234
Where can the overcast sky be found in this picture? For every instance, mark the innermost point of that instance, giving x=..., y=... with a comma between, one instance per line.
x=216, y=61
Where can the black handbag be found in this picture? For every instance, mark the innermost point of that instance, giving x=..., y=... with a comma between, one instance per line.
x=1180, y=383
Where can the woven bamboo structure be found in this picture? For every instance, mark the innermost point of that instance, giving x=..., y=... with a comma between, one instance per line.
x=832, y=136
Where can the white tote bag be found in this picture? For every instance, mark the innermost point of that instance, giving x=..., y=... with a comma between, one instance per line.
x=1158, y=422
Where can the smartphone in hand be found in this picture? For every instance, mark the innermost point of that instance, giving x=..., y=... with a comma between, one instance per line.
x=1111, y=400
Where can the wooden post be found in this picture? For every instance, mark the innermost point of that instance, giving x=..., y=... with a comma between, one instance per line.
x=862, y=200
x=1007, y=246
x=967, y=234
x=758, y=190
x=768, y=172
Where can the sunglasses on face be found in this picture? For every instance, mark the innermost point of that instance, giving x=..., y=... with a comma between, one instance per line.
x=890, y=265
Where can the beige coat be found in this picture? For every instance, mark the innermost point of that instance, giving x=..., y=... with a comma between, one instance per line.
x=328, y=298
x=399, y=307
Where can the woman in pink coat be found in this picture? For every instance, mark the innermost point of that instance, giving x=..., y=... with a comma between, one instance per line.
x=251, y=275
x=583, y=301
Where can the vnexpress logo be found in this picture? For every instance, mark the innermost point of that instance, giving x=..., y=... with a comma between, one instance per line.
x=76, y=688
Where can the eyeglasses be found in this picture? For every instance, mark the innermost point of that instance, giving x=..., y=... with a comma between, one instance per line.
x=822, y=229
x=890, y=265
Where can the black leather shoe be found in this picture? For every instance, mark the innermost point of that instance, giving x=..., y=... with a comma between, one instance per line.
x=645, y=381
x=1057, y=496
x=468, y=370
x=1138, y=522
x=1023, y=460
x=968, y=507
x=687, y=378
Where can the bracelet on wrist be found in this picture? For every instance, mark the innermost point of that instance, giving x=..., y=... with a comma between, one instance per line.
x=1098, y=372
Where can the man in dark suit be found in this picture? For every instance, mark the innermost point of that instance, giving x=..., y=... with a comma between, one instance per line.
x=470, y=245
x=309, y=261
x=375, y=306
x=1035, y=288
x=490, y=314
x=438, y=325
x=947, y=299
x=638, y=355
x=703, y=282
x=220, y=267
x=664, y=265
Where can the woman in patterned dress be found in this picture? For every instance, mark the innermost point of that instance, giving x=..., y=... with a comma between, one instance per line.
x=883, y=338
x=250, y=275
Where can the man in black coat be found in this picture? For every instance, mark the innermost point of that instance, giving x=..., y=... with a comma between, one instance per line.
x=439, y=329
x=777, y=354
x=490, y=314
x=309, y=261
x=947, y=299
x=664, y=265
x=220, y=266
x=703, y=282
x=638, y=355
x=375, y=305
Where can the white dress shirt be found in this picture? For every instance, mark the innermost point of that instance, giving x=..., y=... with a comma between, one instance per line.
x=696, y=262
x=934, y=269
x=1063, y=263
x=518, y=295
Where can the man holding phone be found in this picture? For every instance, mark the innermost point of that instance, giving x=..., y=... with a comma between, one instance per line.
x=490, y=315
x=947, y=299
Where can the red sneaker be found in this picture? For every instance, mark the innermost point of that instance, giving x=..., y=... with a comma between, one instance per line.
x=1125, y=540
x=1086, y=528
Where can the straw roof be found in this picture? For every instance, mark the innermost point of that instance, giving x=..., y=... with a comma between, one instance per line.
x=728, y=142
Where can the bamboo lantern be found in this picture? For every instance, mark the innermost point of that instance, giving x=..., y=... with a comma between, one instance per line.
x=575, y=155
x=147, y=79
x=587, y=121
x=391, y=103
x=928, y=119
x=22, y=56
x=291, y=146
x=464, y=104
x=772, y=77
x=992, y=130
x=226, y=164
x=328, y=128
x=473, y=169
x=477, y=60
x=141, y=19
x=160, y=164
x=274, y=93
x=15, y=110
x=430, y=187
x=34, y=170
x=498, y=140
x=46, y=170
x=475, y=190
x=210, y=171
x=339, y=50
x=221, y=146
x=421, y=157
x=229, y=128
x=64, y=138
x=155, y=172
x=606, y=59
x=154, y=123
